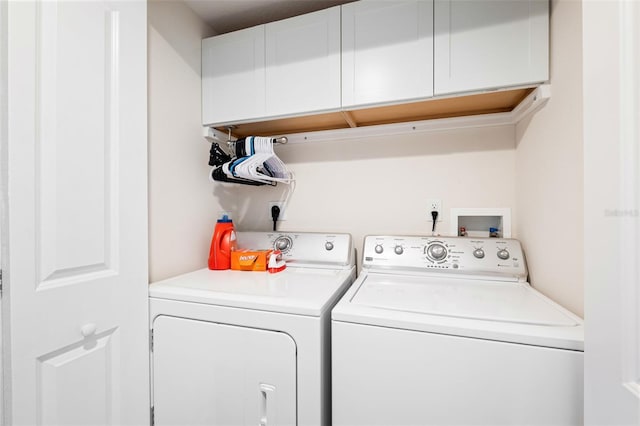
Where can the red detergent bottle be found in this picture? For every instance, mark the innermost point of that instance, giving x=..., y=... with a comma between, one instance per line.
x=222, y=243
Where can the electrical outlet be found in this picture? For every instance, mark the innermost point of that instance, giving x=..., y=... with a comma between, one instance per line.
x=434, y=204
x=280, y=204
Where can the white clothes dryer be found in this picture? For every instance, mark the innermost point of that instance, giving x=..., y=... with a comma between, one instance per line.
x=446, y=331
x=250, y=348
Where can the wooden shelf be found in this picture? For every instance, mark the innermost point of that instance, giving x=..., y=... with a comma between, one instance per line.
x=431, y=109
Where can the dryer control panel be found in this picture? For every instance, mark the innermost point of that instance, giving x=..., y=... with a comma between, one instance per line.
x=497, y=257
x=303, y=247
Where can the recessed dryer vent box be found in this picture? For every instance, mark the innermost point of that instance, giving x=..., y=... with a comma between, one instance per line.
x=478, y=221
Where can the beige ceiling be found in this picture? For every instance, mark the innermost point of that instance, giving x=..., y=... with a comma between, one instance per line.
x=229, y=15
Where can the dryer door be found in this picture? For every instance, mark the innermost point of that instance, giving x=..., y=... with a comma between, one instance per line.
x=216, y=374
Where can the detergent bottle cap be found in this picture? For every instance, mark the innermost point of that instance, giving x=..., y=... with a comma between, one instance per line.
x=225, y=218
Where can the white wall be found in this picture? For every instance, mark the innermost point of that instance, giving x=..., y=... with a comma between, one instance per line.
x=549, y=158
x=381, y=185
x=181, y=208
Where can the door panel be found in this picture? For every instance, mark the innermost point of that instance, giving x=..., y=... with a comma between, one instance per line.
x=233, y=76
x=76, y=136
x=76, y=306
x=303, y=63
x=215, y=374
x=387, y=51
x=90, y=365
x=490, y=44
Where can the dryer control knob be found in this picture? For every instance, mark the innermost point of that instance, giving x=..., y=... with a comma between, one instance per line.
x=283, y=243
x=328, y=246
x=437, y=251
x=379, y=249
x=503, y=254
x=479, y=253
x=398, y=250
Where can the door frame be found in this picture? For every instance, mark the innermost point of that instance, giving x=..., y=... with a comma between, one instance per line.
x=4, y=252
x=611, y=107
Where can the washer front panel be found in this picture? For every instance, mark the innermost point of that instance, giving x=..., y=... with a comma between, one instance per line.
x=384, y=376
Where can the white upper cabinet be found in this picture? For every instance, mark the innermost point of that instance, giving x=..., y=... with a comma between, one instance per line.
x=387, y=51
x=282, y=68
x=233, y=76
x=490, y=44
x=373, y=53
x=303, y=63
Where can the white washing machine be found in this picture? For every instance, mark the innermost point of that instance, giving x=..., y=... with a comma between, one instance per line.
x=250, y=348
x=446, y=331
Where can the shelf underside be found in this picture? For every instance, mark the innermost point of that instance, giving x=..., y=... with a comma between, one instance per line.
x=460, y=106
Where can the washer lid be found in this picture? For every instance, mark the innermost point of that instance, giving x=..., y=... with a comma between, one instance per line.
x=472, y=299
x=302, y=291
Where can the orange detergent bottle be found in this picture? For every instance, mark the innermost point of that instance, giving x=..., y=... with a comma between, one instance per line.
x=222, y=243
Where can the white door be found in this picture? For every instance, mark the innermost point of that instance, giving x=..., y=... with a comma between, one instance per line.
x=233, y=84
x=75, y=302
x=215, y=374
x=611, y=116
x=490, y=44
x=387, y=51
x=303, y=63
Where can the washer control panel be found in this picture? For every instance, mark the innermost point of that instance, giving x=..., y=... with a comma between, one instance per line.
x=302, y=247
x=455, y=255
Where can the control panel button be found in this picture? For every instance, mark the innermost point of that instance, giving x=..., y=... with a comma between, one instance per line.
x=328, y=246
x=379, y=249
x=478, y=253
x=503, y=254
x=398, y=250
x=437, y=251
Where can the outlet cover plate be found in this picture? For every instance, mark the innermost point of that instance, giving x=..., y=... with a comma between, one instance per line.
x=434, y=204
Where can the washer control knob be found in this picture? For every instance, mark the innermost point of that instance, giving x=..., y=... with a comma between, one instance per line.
x=283, y=243
x=379, y=249
x=503, y=254
x=328, y=246
x=478, y=253
x=398, y=250
x=437, y=251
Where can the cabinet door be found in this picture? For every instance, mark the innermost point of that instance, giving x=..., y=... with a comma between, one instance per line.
x=303, y=63
x=387, y=51
x=222, y=375
x=233, y=76
x=483, y=44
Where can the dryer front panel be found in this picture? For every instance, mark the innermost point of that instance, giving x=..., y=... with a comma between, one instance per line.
x=207, y=373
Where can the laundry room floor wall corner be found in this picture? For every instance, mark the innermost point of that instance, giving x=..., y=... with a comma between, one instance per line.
x=549, y=164
x=182, y=208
